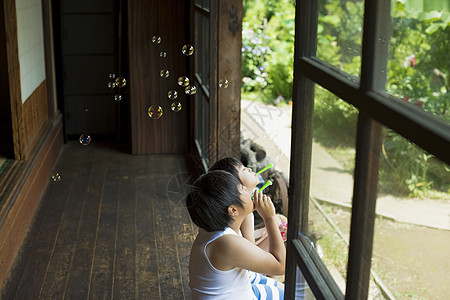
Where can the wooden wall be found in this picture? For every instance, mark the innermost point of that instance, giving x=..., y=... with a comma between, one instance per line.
x=229, y=62
x=28, y=118
x=24, y=193
x=34, y=117
x=36, y=138
x=166, y=19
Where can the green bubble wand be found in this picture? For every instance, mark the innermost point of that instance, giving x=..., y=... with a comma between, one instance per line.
x=263, y=187
x=262, y=170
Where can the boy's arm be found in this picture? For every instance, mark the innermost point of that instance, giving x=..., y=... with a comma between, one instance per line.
x=276, y=244
x=230, y=251
x=266, y=210
x=248, y=228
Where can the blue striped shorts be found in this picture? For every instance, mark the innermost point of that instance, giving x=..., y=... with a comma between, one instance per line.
x=265, y=288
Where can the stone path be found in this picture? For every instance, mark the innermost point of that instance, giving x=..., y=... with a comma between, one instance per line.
x=269, y=126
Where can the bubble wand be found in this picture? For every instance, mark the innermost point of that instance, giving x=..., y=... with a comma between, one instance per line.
x=263, y=187
x=262, y=170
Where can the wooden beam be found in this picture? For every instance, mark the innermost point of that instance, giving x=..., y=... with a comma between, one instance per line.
x=368, y=147
x=212, y=70
x=412, y=122
x=12, y=51
x=301, y=140
x=229, y=61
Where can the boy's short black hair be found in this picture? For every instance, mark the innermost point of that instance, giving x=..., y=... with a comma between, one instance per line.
x=229, y=164
x=210, y=197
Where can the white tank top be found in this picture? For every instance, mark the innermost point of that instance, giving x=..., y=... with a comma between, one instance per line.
x=207, y=282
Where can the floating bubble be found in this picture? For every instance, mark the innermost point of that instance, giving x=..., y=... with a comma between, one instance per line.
x=223, y=83
x=162, y=54
x=156, y=39
x=111, y=85
x=121, y=82
x=183, y=81
x=172, y=94
x=164, y=73
x=187, y=50
x=155, y=111
x=85, y=139
x=118, y=98
x=56, y=177
x=112, y=76
x=175, y=106
x=190, y=90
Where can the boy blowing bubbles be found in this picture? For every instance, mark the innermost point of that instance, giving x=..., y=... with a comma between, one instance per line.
x=225, y=263
x=249, y=179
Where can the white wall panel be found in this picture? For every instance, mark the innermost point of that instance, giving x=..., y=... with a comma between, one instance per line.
x=31, y=45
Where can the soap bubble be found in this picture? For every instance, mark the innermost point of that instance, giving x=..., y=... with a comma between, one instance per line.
x=172, y=94
x=156, y=39
x=164, y=73
x=190, y=90
x=183, y=81
x=155, y=111
x=175, y=106
x=111, y=85
x=85, y=139
x=118, y=98
x=187, y=50
x=112, y=76
x=121, y=82
x=162, y=54
x=223, y=83
x=56, y=177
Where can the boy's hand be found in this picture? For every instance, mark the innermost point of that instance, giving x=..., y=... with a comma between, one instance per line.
x=263, y=205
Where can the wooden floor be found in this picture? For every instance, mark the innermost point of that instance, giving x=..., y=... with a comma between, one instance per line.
x=113, y=227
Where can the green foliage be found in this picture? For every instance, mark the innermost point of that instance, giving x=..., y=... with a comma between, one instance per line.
x=340, y=34
x=268, y=47
x=419, y=69
x=254, y=55
x=418, y=72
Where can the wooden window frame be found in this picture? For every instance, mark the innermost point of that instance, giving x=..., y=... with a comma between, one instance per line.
x=376, y=108
x=217, y=114
x=205, y=108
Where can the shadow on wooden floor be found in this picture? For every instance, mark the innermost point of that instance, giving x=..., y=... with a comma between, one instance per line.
x=113, y=226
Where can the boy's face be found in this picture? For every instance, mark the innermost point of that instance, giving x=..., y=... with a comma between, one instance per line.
x=248, y=177
x=246, y=197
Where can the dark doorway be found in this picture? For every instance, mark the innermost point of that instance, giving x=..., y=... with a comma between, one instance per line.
x=90, y=56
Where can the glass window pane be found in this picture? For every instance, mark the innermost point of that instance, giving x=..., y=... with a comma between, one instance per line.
x=202, y=125
x=339, y=34
x=205, y=55
x=302, y=289
x=198, y=38
x=201, y=44
x=206, y=4
x=333, y=156
x=418, y=65
x=268, y=31
x=412, y=229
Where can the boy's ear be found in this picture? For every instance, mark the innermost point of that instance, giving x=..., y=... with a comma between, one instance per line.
x=232, y=211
